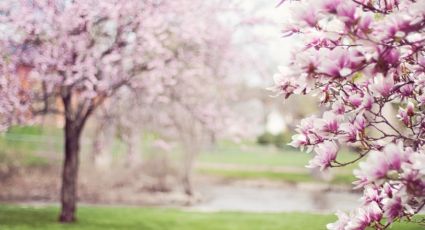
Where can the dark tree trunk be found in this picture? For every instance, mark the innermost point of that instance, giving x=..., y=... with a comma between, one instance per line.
x=187, y=185
x=76, y=115
x=187, y=172
x=70, y=171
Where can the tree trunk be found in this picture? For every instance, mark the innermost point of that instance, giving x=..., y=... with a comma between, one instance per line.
x=133, y=154
x=187, y=171
x=187, y=183
x=70, y=171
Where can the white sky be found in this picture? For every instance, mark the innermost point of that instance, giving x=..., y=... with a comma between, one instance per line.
x=275, y=49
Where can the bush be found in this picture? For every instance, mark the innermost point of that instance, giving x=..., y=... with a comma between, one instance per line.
x=265, y=139
x=281, y=140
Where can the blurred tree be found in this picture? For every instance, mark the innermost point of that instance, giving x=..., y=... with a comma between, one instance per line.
x=81, y=52
x=171, y=54
x=190, y=98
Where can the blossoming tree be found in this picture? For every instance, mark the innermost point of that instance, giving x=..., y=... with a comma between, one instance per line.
x=189, y=98
x=79, y=52
x=362, y=57
x=83, y=52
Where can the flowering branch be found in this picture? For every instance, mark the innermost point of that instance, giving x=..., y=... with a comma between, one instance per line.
x=363, y=58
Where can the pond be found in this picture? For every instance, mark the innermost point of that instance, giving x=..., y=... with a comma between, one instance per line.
x=275, y=199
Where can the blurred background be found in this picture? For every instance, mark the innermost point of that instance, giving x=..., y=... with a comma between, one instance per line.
x=165, y=157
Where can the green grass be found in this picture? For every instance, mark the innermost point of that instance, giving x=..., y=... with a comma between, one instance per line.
x=31, y=139
x=262, y=155
x=101, y=218
x=340, y=178
x=255, y=156
x=25, y=146
x=27, y=130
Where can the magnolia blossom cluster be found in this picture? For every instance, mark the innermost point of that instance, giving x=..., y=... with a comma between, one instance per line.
x=394, y=188
x=363, y=58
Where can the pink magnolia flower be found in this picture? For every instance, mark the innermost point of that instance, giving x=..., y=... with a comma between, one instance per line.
x=310, y=62
x=355, y=100
x=360, y=123
x=341, y=223
x=374, y=212
x=307, y=134
x=326, y=153
x=406, y=90
x=394, y=27
x=378, y=164
x=347, y=11
x=308, y=13
x=382, y=85
x=286, y=83
x=410, y=109
x=365, y=216
x=338, y=108
x=364, y=24
x=371, y=194
x=413, y=179
x=329, y=122
x=395, y=155
x=349, y=133
x=403, y=116
x=341, y=62
x=373, y=169
x=392, y=57
x=330, y=5
x=394, y=207
x=307, y=125
x=298, y=141
x=367, y=102
x=285, y=86
x=387, y=190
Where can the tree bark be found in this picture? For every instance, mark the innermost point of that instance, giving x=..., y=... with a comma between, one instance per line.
x=70, y=171
x=187, y=171
x=187, y=185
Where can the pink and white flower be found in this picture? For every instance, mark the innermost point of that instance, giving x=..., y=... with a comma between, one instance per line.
x=326, y=153
x=341, y=223
x=382, y=85
x=368, y=56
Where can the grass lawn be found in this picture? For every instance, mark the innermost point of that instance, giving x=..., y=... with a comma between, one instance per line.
x=341, y=178
x=22, y=145
x=101, y=218
x=255, y=155
x=252, y=154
